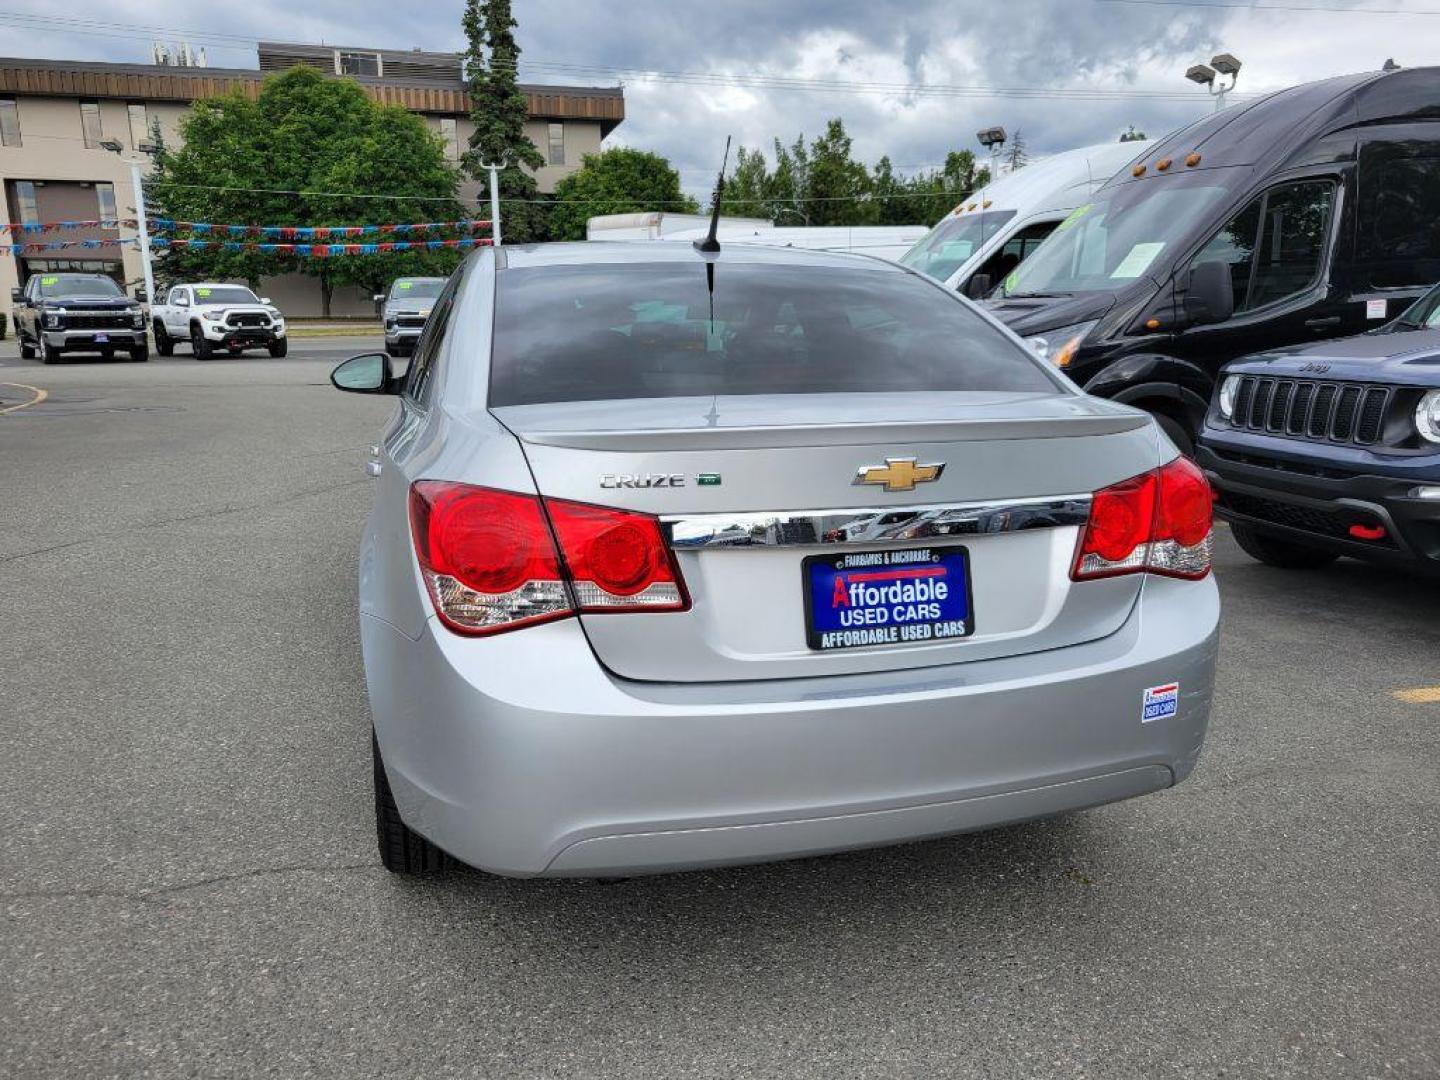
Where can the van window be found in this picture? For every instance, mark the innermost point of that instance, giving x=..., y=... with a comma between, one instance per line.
x=1404, y=232
x=1274, y=246
x=944, y=249
x=1016, y=250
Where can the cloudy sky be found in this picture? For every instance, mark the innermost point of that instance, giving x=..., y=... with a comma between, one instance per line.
x=1115, y=47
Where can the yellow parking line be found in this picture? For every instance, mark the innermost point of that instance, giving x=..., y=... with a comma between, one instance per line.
x=40, y=395
x=1421, y=695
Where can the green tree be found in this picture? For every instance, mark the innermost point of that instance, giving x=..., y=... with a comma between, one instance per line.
x=747, y=189
x=1132, y=135
x=499, y=110
x=617, y=181
x=1018, y=156
x=262, y=162
x=837, y=188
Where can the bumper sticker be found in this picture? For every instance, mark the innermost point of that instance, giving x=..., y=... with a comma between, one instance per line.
x=1159, y=702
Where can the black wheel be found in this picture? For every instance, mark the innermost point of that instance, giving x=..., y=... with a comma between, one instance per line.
x=27, y=351
x=48, y=353
x=1282, y=553
x=139, y=354
x=391, y=351
x=164, y=343
x=279, y=348
x=1179, y=434
x=402, y=849
x=199, y=344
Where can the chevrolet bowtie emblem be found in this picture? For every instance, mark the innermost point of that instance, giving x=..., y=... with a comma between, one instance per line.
x=899, y=474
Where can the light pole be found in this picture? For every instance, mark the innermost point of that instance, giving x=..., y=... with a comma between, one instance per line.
x=1212, y=75
x=494, y=171
x=992, y=139
x=142, y=227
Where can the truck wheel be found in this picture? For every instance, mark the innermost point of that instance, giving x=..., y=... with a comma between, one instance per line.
x=199, y=344
x=1282, y=553
x=48, y=353
x=279, y=348
x=402, y=849
x=27, y=351
x=140, y=353
x=164, y=343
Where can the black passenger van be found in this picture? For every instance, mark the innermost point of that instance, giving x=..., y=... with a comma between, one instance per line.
x=1309, y=213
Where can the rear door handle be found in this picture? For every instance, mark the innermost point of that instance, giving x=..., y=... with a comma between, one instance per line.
x=1329, y=322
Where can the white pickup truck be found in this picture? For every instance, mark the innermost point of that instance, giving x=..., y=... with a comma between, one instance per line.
x=215, y=317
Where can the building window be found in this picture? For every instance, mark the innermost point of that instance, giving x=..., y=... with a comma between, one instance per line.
x=557, y=144
x=451, y=137
x=25, y=204
x=90, y=124
x=9, y=122
x=358, y=63
x=105, y=197
x=139, y=125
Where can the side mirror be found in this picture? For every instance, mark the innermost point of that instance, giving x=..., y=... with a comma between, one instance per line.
x=978, y=287
x=142, y=296
x=379, y=298
x=17, y=295
x=266, y=300
x=369, y=373
x=1210, y=294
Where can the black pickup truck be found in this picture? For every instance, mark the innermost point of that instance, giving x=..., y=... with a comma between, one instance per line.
x=70, y=313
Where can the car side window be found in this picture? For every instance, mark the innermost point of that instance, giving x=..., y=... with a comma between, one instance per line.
x=1275, y=244
x=178, y=298
x=419, y=377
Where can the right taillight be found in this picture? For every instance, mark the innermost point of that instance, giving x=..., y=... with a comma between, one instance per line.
x=490, y=562
x=1157, y=523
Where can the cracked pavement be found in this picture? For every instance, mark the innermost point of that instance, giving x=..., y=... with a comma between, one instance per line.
x=189, y=886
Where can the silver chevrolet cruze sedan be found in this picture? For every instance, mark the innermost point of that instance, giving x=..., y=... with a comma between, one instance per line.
x=680, y=560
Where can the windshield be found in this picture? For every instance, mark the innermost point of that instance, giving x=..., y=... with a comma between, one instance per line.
x=417, y=288
x=1424, y=312
x=1105, y=245
x=224, y=294
x=61, y=285
x=944, y=249
x=613, y=331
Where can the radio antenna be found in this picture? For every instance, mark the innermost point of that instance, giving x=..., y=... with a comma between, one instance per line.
x=711, y=244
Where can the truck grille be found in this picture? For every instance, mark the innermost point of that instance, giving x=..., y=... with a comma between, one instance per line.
x=413, y=321
x=81, y=320
x=247, y=319
x=1306, y=409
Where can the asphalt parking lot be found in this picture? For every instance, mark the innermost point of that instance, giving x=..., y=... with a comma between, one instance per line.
x=191, y=887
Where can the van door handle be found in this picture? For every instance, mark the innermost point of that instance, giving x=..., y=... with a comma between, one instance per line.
x=1329, y=322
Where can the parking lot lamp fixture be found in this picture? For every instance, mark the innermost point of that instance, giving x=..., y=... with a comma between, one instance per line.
x=1218, y=77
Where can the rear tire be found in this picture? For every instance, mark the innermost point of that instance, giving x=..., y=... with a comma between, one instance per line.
x=279, y=348
x=1273, y=551
x=164, y=343
x=402, y=849
x=199, y=344
x=27, y=351
x=1179, y=434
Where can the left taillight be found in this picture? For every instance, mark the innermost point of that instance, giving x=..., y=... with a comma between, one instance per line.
x=1159, y=522
x=490, y=561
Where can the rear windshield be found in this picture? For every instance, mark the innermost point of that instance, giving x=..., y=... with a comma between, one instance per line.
x=616, y=331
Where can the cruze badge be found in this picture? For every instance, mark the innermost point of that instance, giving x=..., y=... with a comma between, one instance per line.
x=899, y=474
x=642, y=480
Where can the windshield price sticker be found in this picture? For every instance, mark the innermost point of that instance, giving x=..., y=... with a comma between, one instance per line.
x=48, y=280
x=909, y=596
x=405, y=285
x=202, y=293
x=1138, y=261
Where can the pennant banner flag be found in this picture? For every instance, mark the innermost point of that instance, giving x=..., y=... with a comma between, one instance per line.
x=317, y=251
x=312, y=232
x=20, y=227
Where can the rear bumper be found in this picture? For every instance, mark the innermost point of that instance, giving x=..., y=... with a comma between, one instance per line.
x=519, y=754
x=1316, y=500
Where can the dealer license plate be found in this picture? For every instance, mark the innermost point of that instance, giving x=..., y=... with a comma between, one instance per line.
x=102, y=339
x=906, y=596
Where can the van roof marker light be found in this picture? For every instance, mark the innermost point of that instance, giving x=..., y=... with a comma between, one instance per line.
x=1138, y=170
x=1163, y=164
x=1193, y=160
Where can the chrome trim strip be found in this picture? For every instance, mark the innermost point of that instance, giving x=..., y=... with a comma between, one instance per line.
x=872, y=525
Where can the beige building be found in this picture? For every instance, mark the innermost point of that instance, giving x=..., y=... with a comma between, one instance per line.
x=55, y=114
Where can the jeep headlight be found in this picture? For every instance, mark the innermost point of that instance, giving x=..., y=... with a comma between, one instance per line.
x=1228, y=389
x=1059, y=346
x=1427, y=416
x=53, y=318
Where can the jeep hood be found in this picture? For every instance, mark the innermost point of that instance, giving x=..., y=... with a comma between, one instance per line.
x=1410, y=358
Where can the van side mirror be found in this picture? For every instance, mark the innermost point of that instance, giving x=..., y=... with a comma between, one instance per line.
x=978, y=287
x=369, y=373
x=1210, y=293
